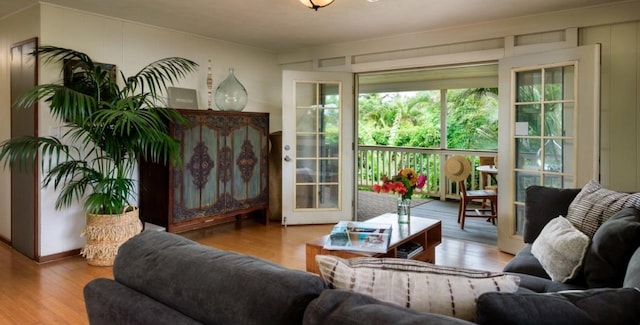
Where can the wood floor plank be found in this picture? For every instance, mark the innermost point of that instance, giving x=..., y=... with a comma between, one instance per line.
x=51, y=293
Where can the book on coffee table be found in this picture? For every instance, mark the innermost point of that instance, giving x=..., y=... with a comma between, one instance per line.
x=409, y=250
x=359, y=236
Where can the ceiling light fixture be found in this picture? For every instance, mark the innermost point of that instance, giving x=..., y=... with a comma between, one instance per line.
x=315, y=4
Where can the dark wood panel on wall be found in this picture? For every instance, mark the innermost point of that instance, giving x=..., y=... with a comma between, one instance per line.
x=24, y=121
x=223, y=177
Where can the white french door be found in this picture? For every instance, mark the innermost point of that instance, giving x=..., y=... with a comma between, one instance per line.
x=549, y=129
x=317, y=147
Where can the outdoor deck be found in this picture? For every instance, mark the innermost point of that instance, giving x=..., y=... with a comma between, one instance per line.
x=478, y=230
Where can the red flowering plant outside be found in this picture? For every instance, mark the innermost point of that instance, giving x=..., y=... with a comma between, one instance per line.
x=403, y=183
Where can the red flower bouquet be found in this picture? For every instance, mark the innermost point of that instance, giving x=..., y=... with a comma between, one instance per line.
x=403, y=183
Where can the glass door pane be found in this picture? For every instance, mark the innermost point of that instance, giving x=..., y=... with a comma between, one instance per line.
x=543, y=131
x=318, y=160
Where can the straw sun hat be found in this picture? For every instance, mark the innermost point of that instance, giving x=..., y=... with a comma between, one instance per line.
x=457, y=168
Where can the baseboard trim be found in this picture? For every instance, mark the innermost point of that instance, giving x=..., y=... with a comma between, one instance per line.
x=57, y=256
x=5, y=240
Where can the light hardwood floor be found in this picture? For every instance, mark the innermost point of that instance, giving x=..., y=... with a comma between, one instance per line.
x=51, y=293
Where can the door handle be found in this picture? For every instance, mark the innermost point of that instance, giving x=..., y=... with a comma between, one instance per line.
x=287, y=158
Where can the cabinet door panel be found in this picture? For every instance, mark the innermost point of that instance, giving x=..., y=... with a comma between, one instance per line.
x=249, y=143
x=248, y=184
x=195, y=191
x=210, y=191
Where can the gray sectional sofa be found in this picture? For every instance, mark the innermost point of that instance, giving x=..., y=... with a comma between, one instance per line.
x=604, y=291
x=613, y=258
x=162, y=278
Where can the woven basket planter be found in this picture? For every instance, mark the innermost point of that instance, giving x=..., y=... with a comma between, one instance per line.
x=106, y=232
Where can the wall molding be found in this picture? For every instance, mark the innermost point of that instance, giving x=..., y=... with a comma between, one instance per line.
x=619, y=12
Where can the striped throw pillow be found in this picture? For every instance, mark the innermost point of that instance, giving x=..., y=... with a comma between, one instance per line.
x=594, y=205
x=417, y=285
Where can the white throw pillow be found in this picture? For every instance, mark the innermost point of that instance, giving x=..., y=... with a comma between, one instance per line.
x=417, y=285
x=560, y=248
x=594, y=205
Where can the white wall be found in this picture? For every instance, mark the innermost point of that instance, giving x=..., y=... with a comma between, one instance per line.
x=15, y=28
x=130, y=46
x=620, y=103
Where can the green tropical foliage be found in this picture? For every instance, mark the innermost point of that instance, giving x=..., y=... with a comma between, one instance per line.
x=108, y=128
x=413, y=120
x=472, y=119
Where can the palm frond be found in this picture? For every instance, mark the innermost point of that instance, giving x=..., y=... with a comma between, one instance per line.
x=74, y=179
x=67, y=171
x=109, y=196
x=158, y=74
x=52, y=54
x=22, y=152
x=71, y=105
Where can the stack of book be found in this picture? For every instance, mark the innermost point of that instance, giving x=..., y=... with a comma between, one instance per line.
x=409, y=250
x=359, y=236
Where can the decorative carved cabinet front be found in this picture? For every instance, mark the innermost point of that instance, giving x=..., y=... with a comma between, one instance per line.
x=223, y=175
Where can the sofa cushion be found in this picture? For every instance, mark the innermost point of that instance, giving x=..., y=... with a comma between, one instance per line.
x=611, y=249
x=340, y=307
x=594, y=205
x=533, y=277
x=593, y=306
x=543, y=204
x=417, y=285
x=525, y=263
x=632, y=277
x=560, y=248
x=214, y=286
x=534, y=284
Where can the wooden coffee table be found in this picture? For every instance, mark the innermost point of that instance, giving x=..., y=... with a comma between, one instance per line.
x=426, y=232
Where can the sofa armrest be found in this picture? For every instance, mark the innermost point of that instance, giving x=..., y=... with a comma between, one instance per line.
x=543, y=204
x=214, y=286
x=593, y=306
x=109, y=302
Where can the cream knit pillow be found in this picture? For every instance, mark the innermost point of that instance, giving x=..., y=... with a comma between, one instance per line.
x=560, y=248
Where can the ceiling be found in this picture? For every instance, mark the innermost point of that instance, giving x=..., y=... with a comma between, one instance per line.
x=284, y=25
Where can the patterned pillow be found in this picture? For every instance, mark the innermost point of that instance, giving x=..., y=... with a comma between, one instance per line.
x=594, y=205
x=417, y=285
x=560, y=248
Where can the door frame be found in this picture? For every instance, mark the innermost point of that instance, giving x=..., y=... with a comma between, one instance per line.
x=346, y=210
x=587, y=136
x=25, y=187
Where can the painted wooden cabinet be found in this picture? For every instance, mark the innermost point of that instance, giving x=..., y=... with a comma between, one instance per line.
x=223, y=174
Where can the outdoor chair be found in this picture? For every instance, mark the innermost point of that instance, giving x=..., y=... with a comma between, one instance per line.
x=486, y=179
x=467, y=197
x=457, y=168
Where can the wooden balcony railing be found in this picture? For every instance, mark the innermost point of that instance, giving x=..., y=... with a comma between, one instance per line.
x=374, y=161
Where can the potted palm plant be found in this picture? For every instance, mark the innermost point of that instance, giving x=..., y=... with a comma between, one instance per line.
x=107, y=129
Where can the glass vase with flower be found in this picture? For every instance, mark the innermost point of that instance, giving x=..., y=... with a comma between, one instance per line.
x=403, y=183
